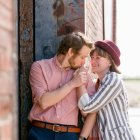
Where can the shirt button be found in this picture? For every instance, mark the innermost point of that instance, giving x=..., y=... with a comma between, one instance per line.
x=58, y=116
x=58, y=106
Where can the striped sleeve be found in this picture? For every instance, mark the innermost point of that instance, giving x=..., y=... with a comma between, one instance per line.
x=84, y=99
x=110, y=88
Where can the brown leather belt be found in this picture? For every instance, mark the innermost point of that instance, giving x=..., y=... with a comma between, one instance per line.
x=56, y=127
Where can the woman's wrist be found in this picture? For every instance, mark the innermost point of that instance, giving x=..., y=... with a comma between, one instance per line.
x=82, y=138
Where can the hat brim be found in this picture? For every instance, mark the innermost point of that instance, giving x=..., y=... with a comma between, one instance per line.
x=109, y=49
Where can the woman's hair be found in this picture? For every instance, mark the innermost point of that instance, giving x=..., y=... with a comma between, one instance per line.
x=104, y=54
x=76, y=41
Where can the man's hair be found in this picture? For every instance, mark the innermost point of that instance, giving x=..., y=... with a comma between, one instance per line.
x=76, y=41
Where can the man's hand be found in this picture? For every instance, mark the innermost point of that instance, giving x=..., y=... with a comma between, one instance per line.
x=79, y=78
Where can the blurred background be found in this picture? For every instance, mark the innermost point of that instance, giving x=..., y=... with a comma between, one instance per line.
x=32, y=30
x=127, y=37
x=128, y=30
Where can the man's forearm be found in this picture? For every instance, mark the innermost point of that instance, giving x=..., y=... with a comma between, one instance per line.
x=80, y=91
x=51, y=98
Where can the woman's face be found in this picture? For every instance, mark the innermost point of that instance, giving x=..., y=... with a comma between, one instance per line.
x=100, y=65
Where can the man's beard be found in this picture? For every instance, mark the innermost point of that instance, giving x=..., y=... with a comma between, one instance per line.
x=72, y=63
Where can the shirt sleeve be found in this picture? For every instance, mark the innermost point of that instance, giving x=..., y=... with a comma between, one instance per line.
x=84, y=99
x=109, y=90
x=37, y=81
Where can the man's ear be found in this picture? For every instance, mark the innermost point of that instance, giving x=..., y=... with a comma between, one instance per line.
x=70, y=52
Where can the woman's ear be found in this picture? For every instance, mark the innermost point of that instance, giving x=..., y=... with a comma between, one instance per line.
x=109, y=63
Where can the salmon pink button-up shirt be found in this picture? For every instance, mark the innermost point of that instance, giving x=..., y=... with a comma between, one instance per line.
x=47, y=75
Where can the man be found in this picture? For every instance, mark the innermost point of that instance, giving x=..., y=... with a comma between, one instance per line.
x=54, y=115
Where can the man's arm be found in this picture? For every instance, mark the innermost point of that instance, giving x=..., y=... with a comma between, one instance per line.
x=48, y=98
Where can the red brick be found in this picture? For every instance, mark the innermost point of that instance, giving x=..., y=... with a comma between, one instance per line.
x=5, y=61
x=7, y=71
x=6, y=128
x=6, y=105
x=6, y=20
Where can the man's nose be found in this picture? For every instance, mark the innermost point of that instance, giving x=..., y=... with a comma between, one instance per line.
x=83, y=62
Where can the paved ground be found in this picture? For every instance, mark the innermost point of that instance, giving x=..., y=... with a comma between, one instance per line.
x=134, y=114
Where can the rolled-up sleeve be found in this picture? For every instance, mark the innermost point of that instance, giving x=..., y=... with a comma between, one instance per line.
x=84, y=99
x=37, y=81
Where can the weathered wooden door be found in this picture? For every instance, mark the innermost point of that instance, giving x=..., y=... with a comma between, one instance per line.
x=42, y=25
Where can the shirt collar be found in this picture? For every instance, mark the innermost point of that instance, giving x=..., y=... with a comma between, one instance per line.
x=106, y=76
x=58, y=65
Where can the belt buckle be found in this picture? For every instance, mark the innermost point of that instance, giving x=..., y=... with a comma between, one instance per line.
x=54, y=128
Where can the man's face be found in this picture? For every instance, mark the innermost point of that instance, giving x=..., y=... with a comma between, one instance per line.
x=78, y=60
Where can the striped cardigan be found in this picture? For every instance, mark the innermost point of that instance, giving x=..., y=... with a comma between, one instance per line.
x=110, y=101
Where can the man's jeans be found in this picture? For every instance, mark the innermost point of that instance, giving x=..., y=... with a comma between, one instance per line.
x=37, y=133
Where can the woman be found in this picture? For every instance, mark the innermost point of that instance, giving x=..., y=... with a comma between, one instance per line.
x=110, y=100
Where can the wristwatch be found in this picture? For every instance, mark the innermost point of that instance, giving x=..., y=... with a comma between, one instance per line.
x=82, y=138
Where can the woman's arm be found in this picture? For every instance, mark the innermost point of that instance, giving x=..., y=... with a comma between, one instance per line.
x=90, y=121
x=109, y=90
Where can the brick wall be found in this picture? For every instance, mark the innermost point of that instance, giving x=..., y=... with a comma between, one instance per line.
x=94, y=19
x=8, y=70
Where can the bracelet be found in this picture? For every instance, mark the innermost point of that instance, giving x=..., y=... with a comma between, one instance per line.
x=82, y=138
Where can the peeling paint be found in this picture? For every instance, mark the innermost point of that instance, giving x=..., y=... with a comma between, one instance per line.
x=53, y=20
